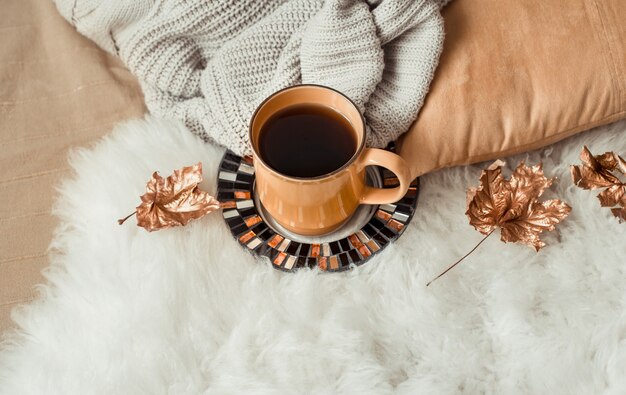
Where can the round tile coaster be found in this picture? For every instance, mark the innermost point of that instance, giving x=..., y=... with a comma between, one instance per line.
x=367, y=233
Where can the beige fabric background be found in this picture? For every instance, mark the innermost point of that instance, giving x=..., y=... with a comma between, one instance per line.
x=57, y=91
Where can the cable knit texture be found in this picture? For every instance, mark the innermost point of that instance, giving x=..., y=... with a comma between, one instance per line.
x=210, y=63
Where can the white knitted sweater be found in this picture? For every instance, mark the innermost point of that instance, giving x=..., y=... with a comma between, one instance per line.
x=210, y=63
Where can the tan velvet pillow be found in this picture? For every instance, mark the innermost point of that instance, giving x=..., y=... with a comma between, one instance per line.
x=518, y=75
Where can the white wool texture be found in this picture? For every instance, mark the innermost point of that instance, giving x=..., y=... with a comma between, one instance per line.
x=211, y=63
x=187, y=311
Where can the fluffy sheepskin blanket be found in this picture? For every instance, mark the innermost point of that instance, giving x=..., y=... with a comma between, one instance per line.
x=187, y=311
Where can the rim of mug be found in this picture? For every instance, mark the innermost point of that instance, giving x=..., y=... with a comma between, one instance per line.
x=352, y=159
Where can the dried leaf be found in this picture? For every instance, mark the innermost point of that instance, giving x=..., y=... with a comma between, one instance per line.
x=512, y=204
x=601, y=171
x=595, y=172
x=612, y=195
x=620, y=213
x=174, y=200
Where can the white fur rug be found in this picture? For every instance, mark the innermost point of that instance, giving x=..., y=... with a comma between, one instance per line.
x=187, y=311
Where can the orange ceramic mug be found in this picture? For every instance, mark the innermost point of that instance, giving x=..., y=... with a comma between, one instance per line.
x=319, y=205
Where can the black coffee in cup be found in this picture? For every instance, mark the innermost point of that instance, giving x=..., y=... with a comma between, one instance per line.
x=307, y=140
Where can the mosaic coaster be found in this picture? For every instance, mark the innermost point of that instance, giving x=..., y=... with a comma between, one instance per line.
x=385, y=223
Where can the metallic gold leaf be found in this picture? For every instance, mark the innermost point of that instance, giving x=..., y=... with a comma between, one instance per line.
x=512, y=204
x=487, y=203
x=612, y=195
x=601, y=171
x=611, y=161
x=620, y=213
x=174, y=200
x=537, y=218
x=527, y=185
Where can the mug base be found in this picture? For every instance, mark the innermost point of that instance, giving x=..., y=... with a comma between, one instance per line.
x=342, y=230
x=307, y=232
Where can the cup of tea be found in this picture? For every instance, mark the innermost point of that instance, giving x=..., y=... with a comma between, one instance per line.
x=310, y=159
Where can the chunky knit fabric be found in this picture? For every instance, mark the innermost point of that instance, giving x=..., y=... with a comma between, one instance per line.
x=210, y=63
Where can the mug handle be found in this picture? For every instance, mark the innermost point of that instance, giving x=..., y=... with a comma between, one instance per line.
x=392, y=162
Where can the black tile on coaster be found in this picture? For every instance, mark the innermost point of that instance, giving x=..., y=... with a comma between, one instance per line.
x=222, y=196
x=376, y=223
x=345, y=245
x=344, y=259
x=247, y=178
x=234, y=221
x=305, y=249
x=231, y=156
x=268, y=234
x=369, y=230
x=221, y=184
x=243, y=185
x=354, y=255
x=259, y=228
x=245, y=213
x=293, y=248
x=404, y=209
x=300, y=262
x=406, y=201
x=238, y=230
x=259, y=232
x=311, y=262
x=229, y=166
x=380, y=239
x=334, y=247
x=388, y=232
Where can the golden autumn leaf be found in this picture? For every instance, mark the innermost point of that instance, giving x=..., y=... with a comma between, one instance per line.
x=599, y=172
x=620, y=212
x=174, y=200
x=513, y=206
